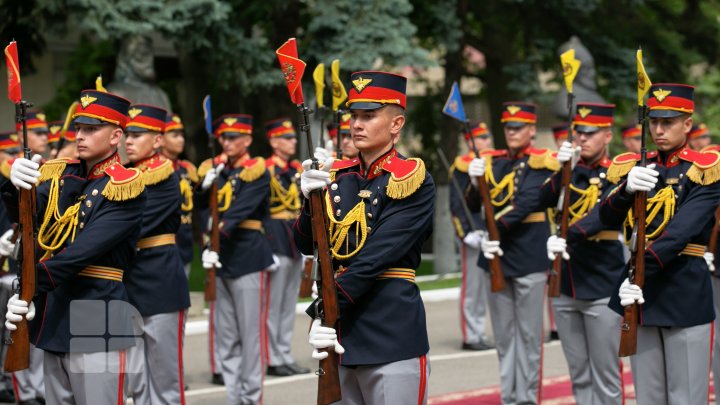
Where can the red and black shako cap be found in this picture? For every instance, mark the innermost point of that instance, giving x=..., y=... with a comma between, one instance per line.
x=54, y=129
x=98, y=107
x=146, y=118
x=631, y=131
x=698, y=130
x=233, y=125
x=371, y=90
x=173, y=123
x=517, y=114
x=590, y=117
x=560, y=131
x=668, y=100
x=280, y=127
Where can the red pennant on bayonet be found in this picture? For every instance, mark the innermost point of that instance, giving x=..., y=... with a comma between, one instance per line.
x=13, y=72
x=292, y=68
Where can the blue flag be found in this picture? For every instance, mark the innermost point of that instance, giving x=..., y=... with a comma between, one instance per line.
x=207, y=114
x=454, y=105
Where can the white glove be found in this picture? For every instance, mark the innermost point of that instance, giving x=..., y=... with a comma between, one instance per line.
x=629, y=293
x=211, y=175
x=276, y=264
x=24, y=173
x=474, y=239
x=314, y=294
x=710, y=260
x=567, y=152
x=557, y=246
x=210, y=259
x=641, y=179
x=321, y=337
x=6, y=246
x=476, y=169
x=491, y=248
x=323, y=154
x=16, y=309
x=315, y=179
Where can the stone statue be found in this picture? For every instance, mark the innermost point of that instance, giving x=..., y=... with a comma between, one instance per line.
x=135, y=73
x=584, y=86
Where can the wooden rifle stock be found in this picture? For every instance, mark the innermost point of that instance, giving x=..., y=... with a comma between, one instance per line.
x=497, y=280
x=555, y=280
x=306, y=280
x=210, y=287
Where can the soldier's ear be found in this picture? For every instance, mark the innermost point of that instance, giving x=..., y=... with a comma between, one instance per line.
x=116, y=135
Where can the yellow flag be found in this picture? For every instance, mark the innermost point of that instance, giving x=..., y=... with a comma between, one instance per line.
x=644, y=82
x=319, y=77
x=570, y=67
x=338, y=90
x=99, y=84
x=68, y=118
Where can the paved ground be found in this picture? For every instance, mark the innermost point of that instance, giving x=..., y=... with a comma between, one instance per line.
x=453, y=370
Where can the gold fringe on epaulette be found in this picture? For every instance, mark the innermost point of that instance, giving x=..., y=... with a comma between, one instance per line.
x=204, y=168
x=51, y=169
x=5, y=168
x=156, y=175
x=192, y=173
x=704, y=176
x=461, y=165
x=126, y=190
x=551, y=162
x=539, y=162
x=253, y=172
x=616, y=171
x=406, y=186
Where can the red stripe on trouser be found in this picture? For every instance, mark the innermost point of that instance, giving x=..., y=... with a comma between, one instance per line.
x=121, y=378
x=463, y=287
x=16, y=388
x=423, y=379
x=712, y=339
x=622, y=382
x=262, y=332
x=211, y=338
x=181, y=331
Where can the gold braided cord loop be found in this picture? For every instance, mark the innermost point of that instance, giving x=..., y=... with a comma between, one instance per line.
x=56, y=228
x=282, y=199
x=339, y=230
x=663, y=201
x=585, y=203
x=496, y=189
x=224, y=197
x=187, y=194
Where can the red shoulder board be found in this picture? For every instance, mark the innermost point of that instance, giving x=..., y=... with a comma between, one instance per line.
x=703, y=160
x=124, y=184
x=344, y=164
x=626, y=157
x=406, y=176
x=120, y=174
x=155, y=163
x=532, y=151
x=269, y=162
x=711, y=148
x=295, y=164
x=605, y=162
x=249, y=163
x=493, y=152
x=400, y=167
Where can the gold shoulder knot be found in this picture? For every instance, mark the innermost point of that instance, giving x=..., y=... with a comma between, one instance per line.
x=54, y=168
x=125, y=184
x=253, y=169
x=158, y=173
x=406, y=177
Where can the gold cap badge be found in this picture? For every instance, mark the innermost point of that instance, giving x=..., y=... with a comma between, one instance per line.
x=661, y=94
x=584, y=111
x=513, y=109
x=87, y=100
x=361, y=83
x=230, y=121
x=134, y=112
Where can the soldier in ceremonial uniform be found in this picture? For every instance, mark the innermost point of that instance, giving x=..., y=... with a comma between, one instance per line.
x=349, y=151
x=676, y=304
x=379, y=210
x=53, y=138
x=560, y=133
x=156, y=284
x=284, y=283
x=699, y=137
x=172, y=146
x=592, y=262
x=89, y=215
x=37, y=132
x=514, y=177
x=473, y=292
x=631, y=138
x=244, y=259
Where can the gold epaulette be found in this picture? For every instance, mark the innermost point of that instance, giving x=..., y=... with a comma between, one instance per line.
x=253, y=169
x=158, y=172
x=406, y=177
x=705, y=169
x=204, y=168
x=125, y=184
x=621, y=165
x=54, y=168
x=462, y=164
x=5, y=166
x=191, y=170
x=297, y=166
x=543, y=159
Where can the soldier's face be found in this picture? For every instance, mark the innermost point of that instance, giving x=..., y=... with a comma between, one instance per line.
x=373, y=130
x=632, y=144
x=173, y=142
x=669, y=134
x=699, y=142
x=235, y=146
x=95, y=142
x=518, y=138
x=285, y=147
x=37, y=141
x=593, y=144
x=348, y=147
x=141, y=145
x=482, y=142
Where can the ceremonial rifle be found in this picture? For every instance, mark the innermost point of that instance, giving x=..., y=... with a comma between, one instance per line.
x=210, y=287
x=458, y=190
x=570, y=67
x=636, y=272
x=18, y=353
x=326, y=307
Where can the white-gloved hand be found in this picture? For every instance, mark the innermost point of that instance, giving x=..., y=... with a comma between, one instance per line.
x=710, y=260
x=322, y=337
x=276, y=264
x=629, y=293
x=24, y=173
x=641, y=179
x=211, y=175
x=557, y=246
x=321, y=154
x=567, y=153
x=210, y=259
x=474, y=239
x=314, y=294
x=6, y=246
x=491, y=248
x=16, y=309
x=476, y=169
x=315, y=179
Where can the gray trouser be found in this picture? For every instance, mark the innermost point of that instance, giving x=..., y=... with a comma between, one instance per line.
x=85, y=378
x=5, y=294
x=283, y=285
x=716, y=345
x=402, y=382
x=213, y=341
x=590, y=336
x=241, y=316
x=517, y=320
x=155, y=371
x=671, y=365
x=30, y=383
x=473, y=296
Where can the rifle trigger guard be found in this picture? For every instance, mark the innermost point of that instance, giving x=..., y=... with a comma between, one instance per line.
x=625, y=326
x=319, y=371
